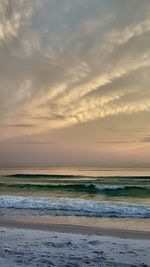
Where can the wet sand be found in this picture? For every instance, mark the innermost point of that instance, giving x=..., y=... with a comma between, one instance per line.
x=125, y=228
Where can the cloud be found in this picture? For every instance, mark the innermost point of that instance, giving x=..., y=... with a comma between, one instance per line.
x=20, y=125
x=13, y=15
x=70, y=62
x=117, y=142
x=146, y=139
x=94, y=112
x=129, y=32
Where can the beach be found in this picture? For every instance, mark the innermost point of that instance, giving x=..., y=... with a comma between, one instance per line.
x=74, y=133
x=123, y=228
x=30, y=243
x=73, y=218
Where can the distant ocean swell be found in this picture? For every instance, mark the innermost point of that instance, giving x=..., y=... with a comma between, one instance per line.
x=36, y=176
x=59, y=176
x=19, y=205
x=108, y=190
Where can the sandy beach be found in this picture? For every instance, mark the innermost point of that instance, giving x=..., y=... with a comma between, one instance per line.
x=28, y=243
x=122, y=228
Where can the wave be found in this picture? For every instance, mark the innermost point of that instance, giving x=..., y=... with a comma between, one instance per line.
x=26, y=176
x=74, y=186
x=17, y=205
x=108, y=190
x=22, y=175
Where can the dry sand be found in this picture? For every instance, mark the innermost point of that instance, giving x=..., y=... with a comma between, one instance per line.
x=26, y=243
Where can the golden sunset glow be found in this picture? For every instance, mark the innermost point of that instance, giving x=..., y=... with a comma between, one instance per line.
x=75, y=82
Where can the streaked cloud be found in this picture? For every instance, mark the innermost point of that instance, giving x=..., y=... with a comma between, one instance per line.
x=146, y=139
x=67, y=64
x=129, y=32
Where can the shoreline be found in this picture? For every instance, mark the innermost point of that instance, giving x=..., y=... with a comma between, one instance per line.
x=27, y=223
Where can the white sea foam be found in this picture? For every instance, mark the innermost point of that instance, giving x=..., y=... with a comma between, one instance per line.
x=69, y=206
x=112, y=187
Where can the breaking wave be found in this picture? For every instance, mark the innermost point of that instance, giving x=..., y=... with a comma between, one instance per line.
x=70, y=207
x=108, y=190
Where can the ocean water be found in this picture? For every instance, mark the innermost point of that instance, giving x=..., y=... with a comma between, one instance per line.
x=91, y=192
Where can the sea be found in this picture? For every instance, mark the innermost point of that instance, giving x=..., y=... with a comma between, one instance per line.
x=90, y=192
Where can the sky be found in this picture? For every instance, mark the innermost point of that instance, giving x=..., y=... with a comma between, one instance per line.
x=75, y=83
